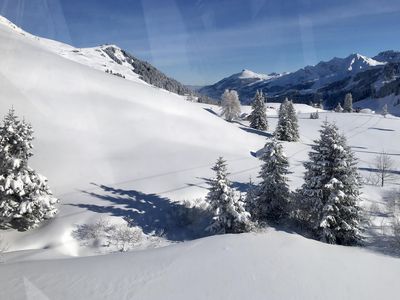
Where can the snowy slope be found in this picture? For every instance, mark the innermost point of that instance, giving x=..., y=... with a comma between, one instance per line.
x=392, y=102
x=273, y=265
x=108, y=58
x=119, y=148
x=93, y=128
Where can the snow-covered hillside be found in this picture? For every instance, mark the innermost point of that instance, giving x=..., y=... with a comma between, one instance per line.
x=123, y=148
x=107, y=58
x=274, y=265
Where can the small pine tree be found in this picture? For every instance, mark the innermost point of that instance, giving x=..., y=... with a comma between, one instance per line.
x=331, y=189
x=314, y=115
x=338, y=108
x=287, y=128
x=272, y=201
x=385, y=110
x=230, y=215
x=230, y=105
x=25, y=198
x=258, y=116
x=348, y=103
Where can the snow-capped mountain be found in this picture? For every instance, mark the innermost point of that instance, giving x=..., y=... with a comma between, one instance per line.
x=327, y=72
x=239, y=80
x=110, y=59
x=328, y=80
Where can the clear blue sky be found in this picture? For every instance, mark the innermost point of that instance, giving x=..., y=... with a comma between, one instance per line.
x=201, y=41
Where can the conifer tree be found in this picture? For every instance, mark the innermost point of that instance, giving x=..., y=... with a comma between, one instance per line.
x=348, y=103
x=287, y=128
x=338, y=108
x=331, y=189
x=230, y=105
x=314, y=115
x=258, y=116
x=25, y=198
x=272, y=201
x=229, y=213
x=385, y=110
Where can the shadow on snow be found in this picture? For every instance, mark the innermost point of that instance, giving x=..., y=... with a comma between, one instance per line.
x=154, y=214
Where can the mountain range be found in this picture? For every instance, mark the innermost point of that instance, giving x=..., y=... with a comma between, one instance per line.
x=327, y=81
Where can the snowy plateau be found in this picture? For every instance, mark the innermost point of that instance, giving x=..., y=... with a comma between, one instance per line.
x=115, y=148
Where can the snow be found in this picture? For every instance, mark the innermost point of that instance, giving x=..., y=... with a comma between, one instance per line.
x=368, y=61
x=250, y=74
x=392, y=101
x=116, y=148
x=248, y=266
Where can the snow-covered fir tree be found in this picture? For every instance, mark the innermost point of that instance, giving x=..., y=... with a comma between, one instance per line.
x=230, y=105
x=25, y=198
x=331, y=190
x=314, y=115
x=273, y=195
x=348, y=103
x=338, y=108
x=258, y=116
x=228, y=209
x=287, y=128
x=385, y=110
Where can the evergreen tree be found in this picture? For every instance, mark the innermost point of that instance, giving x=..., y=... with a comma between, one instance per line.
x=25, y=198
x=272, y=199
x=331, y=189
x=287, y=128
x=338, y=108
x=314, y=115
x=258, y=116
x=230, y=215
x=348, y=103
x=385, y=110
x=230, y=105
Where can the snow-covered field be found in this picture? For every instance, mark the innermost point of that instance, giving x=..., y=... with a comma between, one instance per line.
x=117, y=148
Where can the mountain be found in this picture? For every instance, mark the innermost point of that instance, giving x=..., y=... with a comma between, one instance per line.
x=110, y=59
x=388, y=56
x=240, y=81
x=330, y=80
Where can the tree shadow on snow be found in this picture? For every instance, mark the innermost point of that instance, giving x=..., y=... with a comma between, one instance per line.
x=381, y=129
x=154, y=214
x=378, y=240
x=258, y=132
x=375, y=170
x=211, y=111
x=376, y=152
x=358, y=147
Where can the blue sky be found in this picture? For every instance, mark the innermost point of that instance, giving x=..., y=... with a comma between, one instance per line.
x=202, y=41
